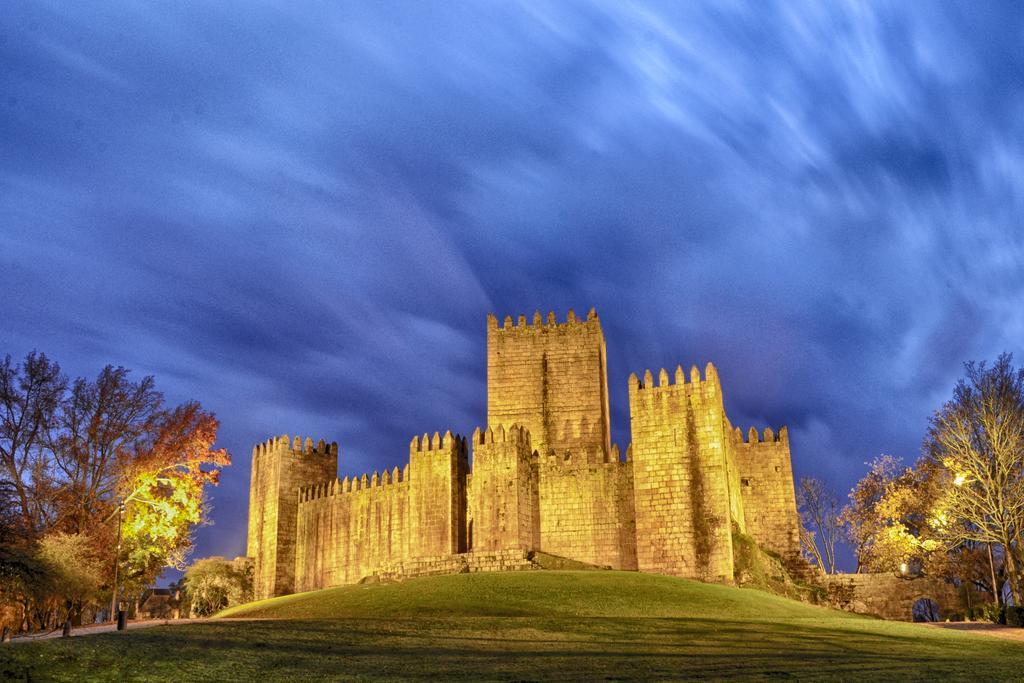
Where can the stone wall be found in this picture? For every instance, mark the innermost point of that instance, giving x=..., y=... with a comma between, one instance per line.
x=893, y=597
x=346, y=530
x=464, y=563
x=351, y=529
x=550, y=378
x=766, y=487
x=681, y=476
x=279, y=467
x=586, y=509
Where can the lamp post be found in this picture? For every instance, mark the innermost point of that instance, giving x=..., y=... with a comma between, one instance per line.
x=117, y=561
x=121, y=504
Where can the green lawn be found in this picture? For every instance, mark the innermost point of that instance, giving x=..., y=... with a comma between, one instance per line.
x=526, y=626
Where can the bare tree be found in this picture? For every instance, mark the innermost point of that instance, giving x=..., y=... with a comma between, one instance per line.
x=820, y=525
x=977, y=439
x=30, y=398
x=105, y=425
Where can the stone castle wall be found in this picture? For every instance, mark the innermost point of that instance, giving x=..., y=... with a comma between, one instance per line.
x=347, y=530
x=892, y=597
x=586, y=510
x=544, y=477
x=437, y=495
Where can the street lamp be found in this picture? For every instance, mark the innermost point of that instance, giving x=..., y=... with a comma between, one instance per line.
x=117, y=562
x=121, y=504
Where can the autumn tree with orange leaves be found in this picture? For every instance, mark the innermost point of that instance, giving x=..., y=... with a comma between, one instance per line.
x=71, y=451
x=163, y=492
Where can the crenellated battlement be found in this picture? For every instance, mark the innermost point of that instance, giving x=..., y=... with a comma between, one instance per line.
x=437, y=442
x=679, y=379
x=521, y=324
x=515, y=434
x=582, y=457
x=276, y=443
x=341, y=487
x=751, y=436
x=296, y=445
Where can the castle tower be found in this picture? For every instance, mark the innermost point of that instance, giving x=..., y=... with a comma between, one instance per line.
x=503, y=507
x=683, y=462
x=766, y=486
x=551, y=378
x=279, y=467
x=438, y=466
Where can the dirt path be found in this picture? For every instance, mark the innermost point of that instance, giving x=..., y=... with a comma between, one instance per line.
x=985, y=628
x=104, y=628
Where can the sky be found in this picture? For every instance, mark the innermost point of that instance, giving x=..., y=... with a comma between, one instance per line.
x=300, y=213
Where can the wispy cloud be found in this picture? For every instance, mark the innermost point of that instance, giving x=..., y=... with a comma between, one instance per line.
x=300, y=215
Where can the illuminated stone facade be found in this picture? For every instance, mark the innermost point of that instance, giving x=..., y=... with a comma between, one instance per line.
x=545, y=477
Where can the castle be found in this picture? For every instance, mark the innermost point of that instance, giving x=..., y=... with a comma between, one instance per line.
x=545, y=477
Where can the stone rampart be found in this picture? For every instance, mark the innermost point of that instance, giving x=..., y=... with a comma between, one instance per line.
x=504, y=511
x=586, y=509
x=893, y=597
x=438, y=467
x=347, y=529
x=463, y=563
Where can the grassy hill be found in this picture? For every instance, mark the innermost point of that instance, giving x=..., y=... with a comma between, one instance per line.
x=526, y=626
x=544, y=594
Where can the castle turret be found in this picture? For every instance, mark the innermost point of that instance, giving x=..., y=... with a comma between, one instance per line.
x=438, y=466
x=766, y=486
x=503, y=512
x=681, y=475
x=280, y=466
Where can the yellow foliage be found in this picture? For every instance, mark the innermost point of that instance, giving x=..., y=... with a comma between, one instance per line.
x=166, y=499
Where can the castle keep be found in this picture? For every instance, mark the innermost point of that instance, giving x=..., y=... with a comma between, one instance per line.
x=544, y=477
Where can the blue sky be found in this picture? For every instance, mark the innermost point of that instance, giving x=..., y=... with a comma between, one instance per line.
x=300, y=213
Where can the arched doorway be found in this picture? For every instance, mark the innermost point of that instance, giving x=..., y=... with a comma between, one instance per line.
x=925, y=609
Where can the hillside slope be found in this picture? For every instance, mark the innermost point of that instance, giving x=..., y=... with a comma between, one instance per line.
x=538, y=625
x=536, y=594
